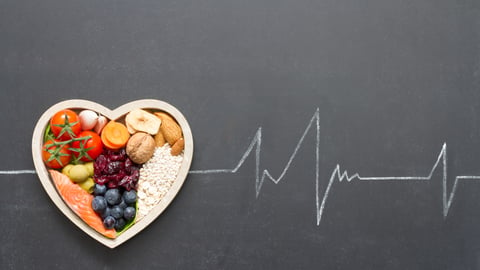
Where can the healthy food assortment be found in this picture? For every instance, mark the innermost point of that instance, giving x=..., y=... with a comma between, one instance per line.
x=111, y=173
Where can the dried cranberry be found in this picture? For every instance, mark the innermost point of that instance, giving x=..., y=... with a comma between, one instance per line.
x=100, y=163
x=135, y=174
x=114, y=167
x=124, y=181
x=117, y=177
x=101, y=179
x=117, y=155
x=128, y=164
x=121, y=174
x=116, y=158
x=112, y=184
x=129, y=183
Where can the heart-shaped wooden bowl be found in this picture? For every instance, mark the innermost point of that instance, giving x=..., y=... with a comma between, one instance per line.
x=49, y=187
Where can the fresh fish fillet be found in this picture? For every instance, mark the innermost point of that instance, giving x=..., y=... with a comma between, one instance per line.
x=80, y=202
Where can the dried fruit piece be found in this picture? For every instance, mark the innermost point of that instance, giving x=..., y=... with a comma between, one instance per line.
x=170, y=129
x=143, y=121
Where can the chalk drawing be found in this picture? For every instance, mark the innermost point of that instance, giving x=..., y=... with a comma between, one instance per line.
x=18, y=172
x=337, y=173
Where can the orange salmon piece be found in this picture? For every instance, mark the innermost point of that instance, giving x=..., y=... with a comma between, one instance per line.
x=80, y=202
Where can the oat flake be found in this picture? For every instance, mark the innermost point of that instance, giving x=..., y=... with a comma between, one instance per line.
x=156, y=178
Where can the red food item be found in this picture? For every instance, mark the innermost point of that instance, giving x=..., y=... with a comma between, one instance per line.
x=88, y=149
x=115, y=169
x=56, y=156
x=65, y=125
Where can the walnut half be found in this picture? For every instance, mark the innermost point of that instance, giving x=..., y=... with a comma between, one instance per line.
x=140, y=147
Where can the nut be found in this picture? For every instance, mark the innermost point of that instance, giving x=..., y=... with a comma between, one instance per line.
x=169, y=127
x=159, y=139
x=140, y=147
x=177, y=147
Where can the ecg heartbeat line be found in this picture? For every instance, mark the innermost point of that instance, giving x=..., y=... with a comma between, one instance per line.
x=337, y=174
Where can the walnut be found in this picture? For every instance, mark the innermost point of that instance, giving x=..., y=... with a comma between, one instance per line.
x=140, y=147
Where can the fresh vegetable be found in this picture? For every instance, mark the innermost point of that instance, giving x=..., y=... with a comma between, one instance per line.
x=101, y=122
x=56, y=155
x=65, y=125
x=87, y=147
x=88, y=119
x=115, y=135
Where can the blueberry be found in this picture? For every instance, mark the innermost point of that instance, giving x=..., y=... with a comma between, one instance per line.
x=106, y=213
x=123, y=204
x=129, y=213
x=99, y=204
x=113, y=196
x=99, y=189
x=120, y=224
x=117, y=212
x=130, y=196
x=109, y=222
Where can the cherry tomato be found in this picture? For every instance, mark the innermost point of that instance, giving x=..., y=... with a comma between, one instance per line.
x=53, y=158
x=65, y=125
x=88, y=149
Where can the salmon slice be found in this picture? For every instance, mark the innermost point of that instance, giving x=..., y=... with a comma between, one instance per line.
x=80, y=202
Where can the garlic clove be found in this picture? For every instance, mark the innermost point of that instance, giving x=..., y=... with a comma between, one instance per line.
x=101, y=122
x=88, y=119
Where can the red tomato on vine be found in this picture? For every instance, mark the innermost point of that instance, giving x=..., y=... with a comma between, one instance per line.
x=65, y=125
x=55, y=154
x=89, y=148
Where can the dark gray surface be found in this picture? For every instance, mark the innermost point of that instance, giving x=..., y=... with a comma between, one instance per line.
x=393, y=81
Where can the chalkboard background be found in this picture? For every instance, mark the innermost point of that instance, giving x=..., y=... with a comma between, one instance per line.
x=393, y=81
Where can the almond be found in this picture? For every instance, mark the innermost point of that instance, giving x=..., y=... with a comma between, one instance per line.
x=169, y=127
x=177, y=147
x=159, y=139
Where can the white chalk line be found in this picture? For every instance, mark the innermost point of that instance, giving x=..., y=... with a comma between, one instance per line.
x=337, y=174
x=18, y=172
